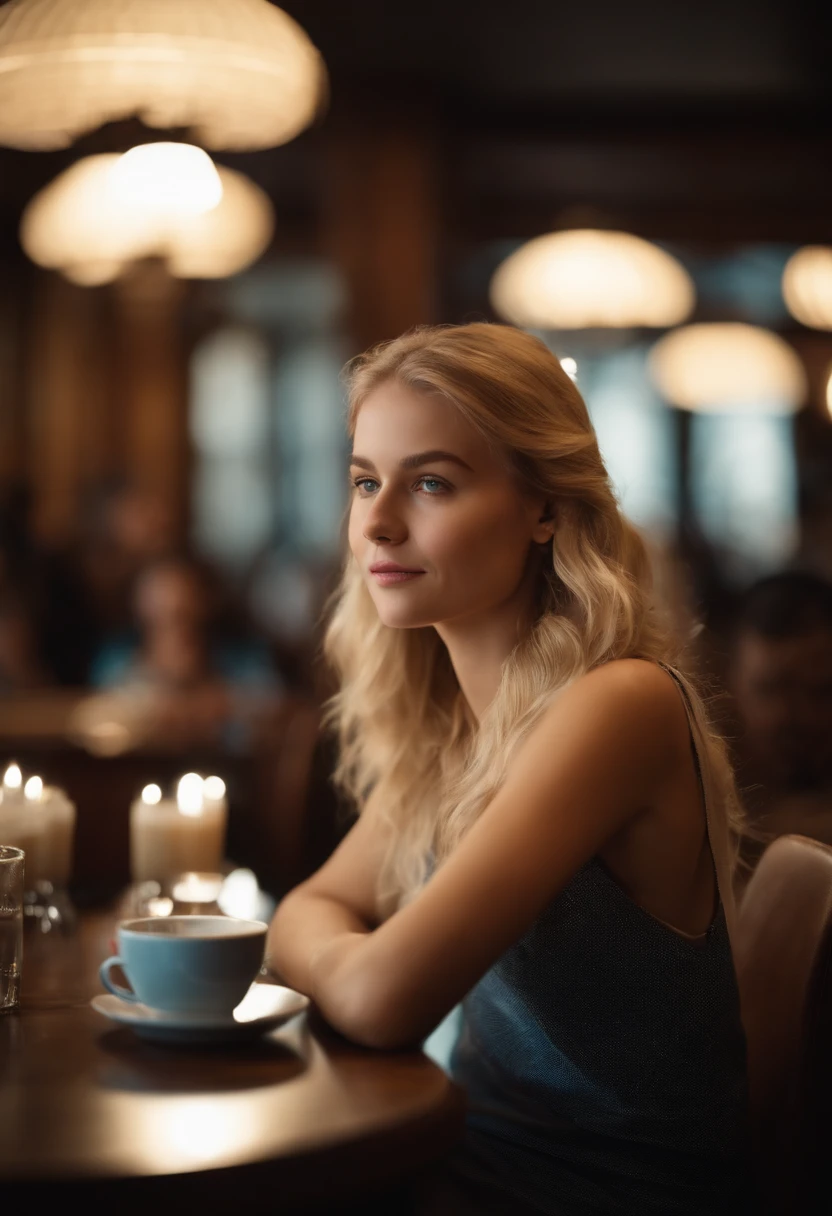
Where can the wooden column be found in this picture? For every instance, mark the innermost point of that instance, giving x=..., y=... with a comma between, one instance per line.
x=12, y=412
x=67, y=393
x=151, y=381
x=381, y=216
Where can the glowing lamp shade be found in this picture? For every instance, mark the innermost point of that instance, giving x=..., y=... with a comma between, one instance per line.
x=167, y=178
x=88, y=224
x=585, y=278
x=807, y=286
x=728, y=368
x=240, y=74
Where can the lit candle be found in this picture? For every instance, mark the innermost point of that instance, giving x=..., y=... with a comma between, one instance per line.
x=18, y=827
x=11, y=793
x=215, y=802
x=59, y=833
x=204, y=820
x=196, y=888
x=169, y=836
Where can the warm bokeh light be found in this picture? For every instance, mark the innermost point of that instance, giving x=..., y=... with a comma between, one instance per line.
x=189, y=794
x=33, y=789
x=214, y=788
x=586, y=278
x=13, y=778
x=807, y=286
x=195, y=1132
x=240, y=895
x=85, y=225
x=197, y=888
x=241, y=74
x=722, y=368
x=151, y=795
x=166, y=179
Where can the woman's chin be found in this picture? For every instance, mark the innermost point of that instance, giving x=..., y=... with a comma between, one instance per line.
x=401, y=618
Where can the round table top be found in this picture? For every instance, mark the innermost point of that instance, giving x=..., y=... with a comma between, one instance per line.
x=86, y=1100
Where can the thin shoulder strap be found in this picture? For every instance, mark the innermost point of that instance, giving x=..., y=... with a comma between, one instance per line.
x=716, y=819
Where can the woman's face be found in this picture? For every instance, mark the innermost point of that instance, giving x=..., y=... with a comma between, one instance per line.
x=170, y=597
x=462, y=523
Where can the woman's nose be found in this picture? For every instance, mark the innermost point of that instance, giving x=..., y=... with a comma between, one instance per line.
x=382, y=522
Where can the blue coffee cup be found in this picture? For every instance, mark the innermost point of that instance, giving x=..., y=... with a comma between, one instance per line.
x=187, y=964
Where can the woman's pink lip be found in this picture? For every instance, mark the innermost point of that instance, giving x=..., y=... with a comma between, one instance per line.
x=395, y=576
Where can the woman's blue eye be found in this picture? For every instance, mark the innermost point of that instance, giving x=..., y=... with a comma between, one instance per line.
x=361, y=481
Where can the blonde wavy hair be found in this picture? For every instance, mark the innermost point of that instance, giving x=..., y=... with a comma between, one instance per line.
x=403, y=726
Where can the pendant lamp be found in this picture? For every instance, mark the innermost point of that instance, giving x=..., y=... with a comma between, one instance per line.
x=237, y=74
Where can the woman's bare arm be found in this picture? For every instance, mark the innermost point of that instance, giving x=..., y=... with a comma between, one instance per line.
x=594, y=763
x=339, y=898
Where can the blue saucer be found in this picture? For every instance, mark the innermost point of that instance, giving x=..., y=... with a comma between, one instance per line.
x=264, y=1007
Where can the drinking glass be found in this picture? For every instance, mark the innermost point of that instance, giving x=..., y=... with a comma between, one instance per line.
x=11, y=924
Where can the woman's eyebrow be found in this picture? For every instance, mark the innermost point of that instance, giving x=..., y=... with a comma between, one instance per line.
x=413, y=462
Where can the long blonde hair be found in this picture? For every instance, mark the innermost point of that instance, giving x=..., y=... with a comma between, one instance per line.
x=402, y=723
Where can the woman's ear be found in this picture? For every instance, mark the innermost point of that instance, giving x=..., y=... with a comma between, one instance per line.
x=544, y=530
x=545, y=527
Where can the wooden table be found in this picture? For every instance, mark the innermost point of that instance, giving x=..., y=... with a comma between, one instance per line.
x=299, y=1119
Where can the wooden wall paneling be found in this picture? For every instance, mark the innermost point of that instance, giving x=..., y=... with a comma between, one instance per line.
x=12, y=321
x=151, y=379
x=65, y=377
x=381, y=218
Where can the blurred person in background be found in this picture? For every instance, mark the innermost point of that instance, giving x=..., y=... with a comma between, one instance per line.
x=781, y=678
x=201, y=677
x=124, y=526
x=285, y=594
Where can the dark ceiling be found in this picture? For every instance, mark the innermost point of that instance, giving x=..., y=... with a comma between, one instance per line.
x=543, y=55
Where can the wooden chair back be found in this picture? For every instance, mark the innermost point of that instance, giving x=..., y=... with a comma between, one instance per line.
x=783, y=956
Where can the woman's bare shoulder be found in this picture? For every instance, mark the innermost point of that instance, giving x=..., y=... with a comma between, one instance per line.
x=640, y=687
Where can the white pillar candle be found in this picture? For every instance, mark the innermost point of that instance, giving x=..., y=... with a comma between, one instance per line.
x=169, y=836
x=215, y=803
x=24, y=832
x=41, y=821
x=59, y=838
x=204, y=823
x=20, y=828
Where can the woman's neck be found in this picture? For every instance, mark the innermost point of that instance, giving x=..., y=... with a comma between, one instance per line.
x=479, y=646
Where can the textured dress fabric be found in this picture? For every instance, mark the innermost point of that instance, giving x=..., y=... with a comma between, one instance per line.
x=605, y=1065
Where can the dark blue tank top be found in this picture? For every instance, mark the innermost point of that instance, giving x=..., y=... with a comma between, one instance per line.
x=604, y=1060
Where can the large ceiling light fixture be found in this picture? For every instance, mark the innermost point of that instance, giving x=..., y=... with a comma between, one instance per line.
x=237, y=74
x=807, y=286
x=158, y=200
x=585, y=278
x=728, y=368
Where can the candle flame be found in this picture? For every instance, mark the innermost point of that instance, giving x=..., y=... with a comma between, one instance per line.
x=190, y=794
x=13, y=778
x=214, y=788
x=33, y=789
x=197, y=888
x=151, y=795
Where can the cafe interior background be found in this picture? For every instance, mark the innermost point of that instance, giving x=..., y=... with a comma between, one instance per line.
x=172, y=442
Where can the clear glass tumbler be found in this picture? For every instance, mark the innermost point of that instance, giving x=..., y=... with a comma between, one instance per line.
x=11, y=925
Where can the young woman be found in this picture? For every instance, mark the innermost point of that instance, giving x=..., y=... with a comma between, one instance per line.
x=547, y=821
